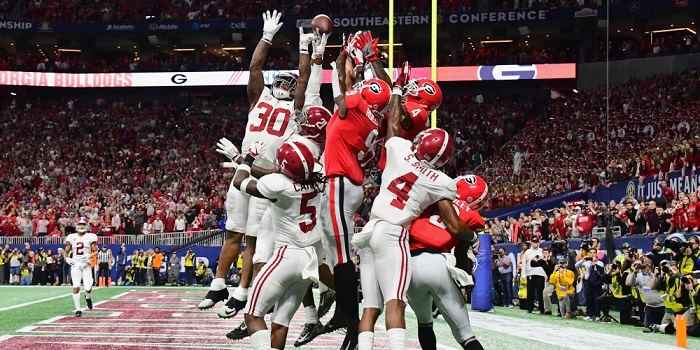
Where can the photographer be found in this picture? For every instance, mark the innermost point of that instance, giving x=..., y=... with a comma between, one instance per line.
x=687, y=262
x=563, y=281
x=670, y=284
x=644, y=280
x=592, y=282
x=620, y=294
x=505, y=276
x=693, y=288
x=535, y=275
x=547, y=263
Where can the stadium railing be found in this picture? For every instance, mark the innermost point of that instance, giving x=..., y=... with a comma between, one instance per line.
x=160, y=239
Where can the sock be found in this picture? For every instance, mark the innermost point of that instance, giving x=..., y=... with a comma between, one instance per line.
x=397, y=338
x=240, y=293
x=88, y=294
x=347, y=305
x=365, y=341
x=310, y=314
x=76, y=300
x=426, y=337
x=322, y=287
x=217, y=284
x=260, y=340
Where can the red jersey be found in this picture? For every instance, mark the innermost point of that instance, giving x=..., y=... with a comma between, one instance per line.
x=679, y=218
x=349, y=141
x=693, y=215
x=428, y=231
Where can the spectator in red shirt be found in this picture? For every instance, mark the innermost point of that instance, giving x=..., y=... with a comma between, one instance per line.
x=667, y=194
x=692, y=212
x=584, y=223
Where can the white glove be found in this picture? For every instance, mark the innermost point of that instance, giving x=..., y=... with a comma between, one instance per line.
x=227, y=148
x=304, y=41
x=319, y=44
x=256, y=149
x=70, y=261
x=271, y=24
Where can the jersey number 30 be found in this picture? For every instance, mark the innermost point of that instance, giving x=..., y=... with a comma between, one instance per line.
x=268, y=118
x=401, y=186
x=305, y=208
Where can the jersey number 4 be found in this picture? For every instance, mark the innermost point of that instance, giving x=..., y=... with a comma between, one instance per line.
x=401, y=186
x=305, y=208
x=268, y=118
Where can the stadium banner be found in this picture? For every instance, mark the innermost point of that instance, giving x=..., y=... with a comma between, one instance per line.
x=240, y=78
x=649, y=189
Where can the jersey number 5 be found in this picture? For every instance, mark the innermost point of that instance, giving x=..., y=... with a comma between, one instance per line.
x=79, y=247
x=268, y=118
x=405, y=182
x=307, y=209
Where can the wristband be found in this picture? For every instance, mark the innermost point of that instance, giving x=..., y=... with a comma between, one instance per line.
x=243, y=167
x=266, y=40
x=396, y=90
x=244, y=184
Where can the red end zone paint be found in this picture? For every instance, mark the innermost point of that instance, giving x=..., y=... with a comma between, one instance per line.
x=137, y=327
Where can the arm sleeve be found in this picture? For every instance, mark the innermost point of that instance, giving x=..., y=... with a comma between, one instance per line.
x=271, y=186
x=313, y=87
x=335, y=83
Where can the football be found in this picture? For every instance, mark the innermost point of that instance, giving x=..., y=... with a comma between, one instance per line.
x=322, y=23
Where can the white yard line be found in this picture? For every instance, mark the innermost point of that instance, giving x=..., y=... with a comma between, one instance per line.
x=558, y=335
x=5, y=337
x=51, y=320
x=34, y=302
x=119, y=295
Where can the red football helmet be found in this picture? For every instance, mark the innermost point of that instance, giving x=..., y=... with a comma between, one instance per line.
x=472, y=189
x=434, y=146
x=295, y=160
x=313, y=123
x=376, y=93
x=423, y=91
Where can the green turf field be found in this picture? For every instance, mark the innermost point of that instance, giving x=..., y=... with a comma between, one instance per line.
x=123, y=314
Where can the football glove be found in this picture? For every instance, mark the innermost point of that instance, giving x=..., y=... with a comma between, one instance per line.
x=271, y=24
x=227, y=148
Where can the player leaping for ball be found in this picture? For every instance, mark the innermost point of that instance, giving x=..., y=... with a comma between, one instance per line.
x=270, y=122
x=411, y=182
x=283, y=281
x=81, y=245
x=311, y=121
x=435, y=278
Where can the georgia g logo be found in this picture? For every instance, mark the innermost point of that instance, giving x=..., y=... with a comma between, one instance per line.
x=374, y=87
x=429, y=89
x=470, y=179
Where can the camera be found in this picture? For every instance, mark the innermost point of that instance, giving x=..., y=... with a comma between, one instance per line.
x=665, y=266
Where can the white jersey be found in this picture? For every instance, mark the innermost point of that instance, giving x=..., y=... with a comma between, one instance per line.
x=295, y=209
x=270, y=121
x=408, y=185
x=81, y=246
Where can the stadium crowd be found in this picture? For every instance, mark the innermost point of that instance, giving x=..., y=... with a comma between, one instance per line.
x=130, y=168
x=648, y=288
x=530, y=168
x=150, y=267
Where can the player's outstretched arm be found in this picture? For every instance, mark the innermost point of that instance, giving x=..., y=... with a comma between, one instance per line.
x=242, y=179
x=394, y=114
x=450, y=218
x=256, y=82
x=304, y=70
x=312, y=96
x=340, y=68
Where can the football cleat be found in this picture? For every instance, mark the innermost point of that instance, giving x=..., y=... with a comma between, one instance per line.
x=89, y=303
x=239, y=332
x=350, y=342
x=212, y=298
x=333, y=325
x=78, y=313
x=327, y=300
x=306, y=334
x=231, y=309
